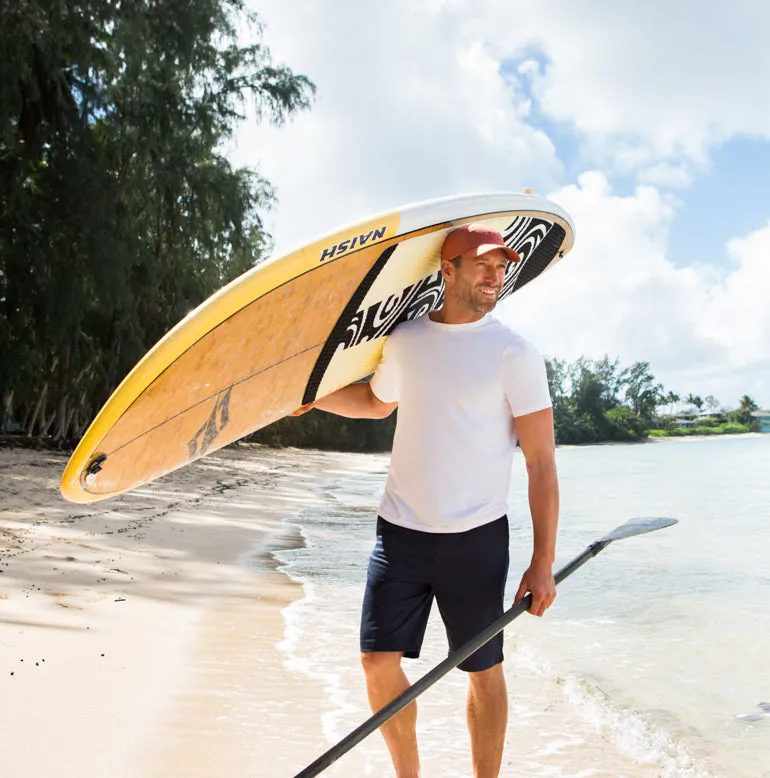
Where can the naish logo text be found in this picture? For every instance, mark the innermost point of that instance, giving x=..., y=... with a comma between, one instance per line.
x=350, y=243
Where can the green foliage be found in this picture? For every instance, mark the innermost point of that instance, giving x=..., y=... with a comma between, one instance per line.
x=118, y=213
x=729, y=428
x=598, y=400
x=642, y=392
x=732, y=428
x=625, y=424
x=742, y=414
x=694, y=399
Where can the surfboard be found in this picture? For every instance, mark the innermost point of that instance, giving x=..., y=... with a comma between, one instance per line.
x=291, y=330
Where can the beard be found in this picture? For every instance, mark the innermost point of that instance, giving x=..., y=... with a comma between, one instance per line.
x=471, y=299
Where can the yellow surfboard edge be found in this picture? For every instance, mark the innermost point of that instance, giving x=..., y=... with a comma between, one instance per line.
x=221, y=305
x=383, y=230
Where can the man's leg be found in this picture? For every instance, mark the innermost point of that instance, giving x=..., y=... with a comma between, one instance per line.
x=385, y=680
x=487, y=719
x=470, y=597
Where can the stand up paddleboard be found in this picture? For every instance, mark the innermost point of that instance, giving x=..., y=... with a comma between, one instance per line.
x=289, y=331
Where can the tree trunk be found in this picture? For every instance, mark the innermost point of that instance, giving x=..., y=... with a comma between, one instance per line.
x=62, y=417
x=62, y=393
x=6, y=412
x=38, y=409
x=46, y=425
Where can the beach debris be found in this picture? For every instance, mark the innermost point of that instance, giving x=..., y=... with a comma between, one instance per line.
x=120, y=599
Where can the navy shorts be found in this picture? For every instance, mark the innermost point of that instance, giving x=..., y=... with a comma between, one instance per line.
x=464, y=571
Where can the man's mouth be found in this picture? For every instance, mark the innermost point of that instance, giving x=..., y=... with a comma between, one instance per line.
x=487, y=292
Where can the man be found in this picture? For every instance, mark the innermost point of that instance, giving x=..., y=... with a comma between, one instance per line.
x=467, y=388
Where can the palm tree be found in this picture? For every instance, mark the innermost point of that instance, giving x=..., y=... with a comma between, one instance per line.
x=694, y=399
x=745, y=409
x=671, y=399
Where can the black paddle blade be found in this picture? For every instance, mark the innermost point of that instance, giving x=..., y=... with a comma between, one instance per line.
x=638, y=527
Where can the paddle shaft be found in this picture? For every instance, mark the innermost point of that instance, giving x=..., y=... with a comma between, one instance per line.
x=439, y=671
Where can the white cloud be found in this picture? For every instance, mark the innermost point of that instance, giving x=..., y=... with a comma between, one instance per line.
x=411, y=105
x=703, y=330
x=741, y=306
x=649, y=81
x=426, y=98
x=667, y=175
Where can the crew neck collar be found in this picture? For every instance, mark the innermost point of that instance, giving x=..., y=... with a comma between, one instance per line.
x=471, y=325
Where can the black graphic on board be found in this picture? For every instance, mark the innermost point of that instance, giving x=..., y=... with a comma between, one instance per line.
x=219, y=418
x=536, y=240
x=337, y=335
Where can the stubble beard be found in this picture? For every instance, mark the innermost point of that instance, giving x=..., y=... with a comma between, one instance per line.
x=473, y=301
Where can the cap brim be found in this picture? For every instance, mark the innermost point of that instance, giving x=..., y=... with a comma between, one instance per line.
x=485, y=248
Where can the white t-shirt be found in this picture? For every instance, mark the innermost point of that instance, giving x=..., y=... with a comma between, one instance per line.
x=459, y=388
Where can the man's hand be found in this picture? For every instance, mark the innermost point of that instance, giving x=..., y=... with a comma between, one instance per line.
x=538, y=580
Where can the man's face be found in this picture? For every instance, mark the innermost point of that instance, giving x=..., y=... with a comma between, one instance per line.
x=475, y=284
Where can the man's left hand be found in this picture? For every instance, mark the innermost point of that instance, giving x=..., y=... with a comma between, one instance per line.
x=538, y=581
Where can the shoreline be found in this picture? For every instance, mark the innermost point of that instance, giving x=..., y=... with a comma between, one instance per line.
x=666, y=439
x=42, y=446
x=139, y=636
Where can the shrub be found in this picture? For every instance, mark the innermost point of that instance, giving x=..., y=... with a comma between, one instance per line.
x=733, y=428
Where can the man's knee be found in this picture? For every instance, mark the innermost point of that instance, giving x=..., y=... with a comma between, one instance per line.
x=380, y=662
x=488, y=680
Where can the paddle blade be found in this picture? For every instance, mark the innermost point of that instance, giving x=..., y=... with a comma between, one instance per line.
x=638, y=527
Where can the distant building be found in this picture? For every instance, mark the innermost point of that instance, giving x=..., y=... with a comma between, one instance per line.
x=716, y=416
x=763, y=418
x=685, y=420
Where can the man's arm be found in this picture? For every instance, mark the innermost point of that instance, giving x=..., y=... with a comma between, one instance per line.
x=536, y=438
x=356, y=401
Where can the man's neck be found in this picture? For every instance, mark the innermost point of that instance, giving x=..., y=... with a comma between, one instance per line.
x=450, y=315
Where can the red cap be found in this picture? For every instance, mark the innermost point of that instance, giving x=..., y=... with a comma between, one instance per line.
x=473, y=240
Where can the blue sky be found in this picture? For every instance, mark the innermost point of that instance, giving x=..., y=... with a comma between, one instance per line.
x=649, y=125
x=731, y=197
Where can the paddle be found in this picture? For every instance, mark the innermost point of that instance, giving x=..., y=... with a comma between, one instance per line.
x=629, y=529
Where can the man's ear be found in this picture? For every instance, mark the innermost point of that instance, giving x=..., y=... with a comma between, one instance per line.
x=447, y=268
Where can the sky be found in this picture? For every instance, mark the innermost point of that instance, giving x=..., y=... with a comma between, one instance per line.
x=649, y=123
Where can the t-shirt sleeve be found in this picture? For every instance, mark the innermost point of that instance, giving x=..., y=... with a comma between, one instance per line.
x=524, y=379
x=384, y=382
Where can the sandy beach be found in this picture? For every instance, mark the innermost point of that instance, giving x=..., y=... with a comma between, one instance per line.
x=156, y=635
x=131, y=629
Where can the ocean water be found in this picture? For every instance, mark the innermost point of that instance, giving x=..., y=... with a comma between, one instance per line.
x=652, y=662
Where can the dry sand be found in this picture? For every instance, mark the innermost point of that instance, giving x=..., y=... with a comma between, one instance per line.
x=138, y=637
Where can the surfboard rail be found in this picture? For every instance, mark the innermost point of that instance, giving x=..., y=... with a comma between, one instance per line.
x=291, y=329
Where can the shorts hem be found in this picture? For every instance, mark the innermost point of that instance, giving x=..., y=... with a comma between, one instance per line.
x=369, y=649
x=487, y=665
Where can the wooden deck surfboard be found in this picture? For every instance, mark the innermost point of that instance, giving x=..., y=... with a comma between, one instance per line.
x=290, y=330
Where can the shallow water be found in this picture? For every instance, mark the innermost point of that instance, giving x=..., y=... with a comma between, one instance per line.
x=652, y=662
